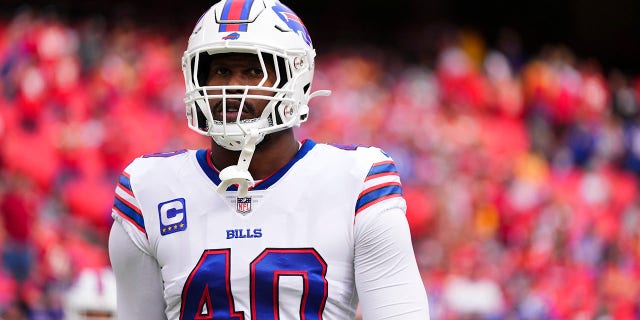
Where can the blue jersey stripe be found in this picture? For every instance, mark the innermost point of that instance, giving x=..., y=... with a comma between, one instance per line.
x=376, y=194
x=382, y=168
x=129, y=212
x=124, y=181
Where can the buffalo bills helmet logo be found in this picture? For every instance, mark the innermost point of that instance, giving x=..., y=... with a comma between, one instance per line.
x=292, y=21
x=231, y=36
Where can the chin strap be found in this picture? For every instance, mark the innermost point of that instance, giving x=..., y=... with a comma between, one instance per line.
x=239, y=174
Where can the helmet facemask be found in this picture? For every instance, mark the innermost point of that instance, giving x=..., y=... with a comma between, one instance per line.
x=284, y=108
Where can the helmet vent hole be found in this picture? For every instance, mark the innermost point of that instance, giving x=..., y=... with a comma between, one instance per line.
x=281, y=29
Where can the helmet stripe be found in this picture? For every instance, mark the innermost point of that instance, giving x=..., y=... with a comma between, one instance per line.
x=235, y=10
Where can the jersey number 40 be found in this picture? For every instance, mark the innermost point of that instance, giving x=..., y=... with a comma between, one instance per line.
x=207, y=292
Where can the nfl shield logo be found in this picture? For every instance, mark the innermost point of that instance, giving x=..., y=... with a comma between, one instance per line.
x=243, y=205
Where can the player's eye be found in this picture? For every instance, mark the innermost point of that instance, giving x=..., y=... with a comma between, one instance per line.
x=221, y=71
x=256, y=72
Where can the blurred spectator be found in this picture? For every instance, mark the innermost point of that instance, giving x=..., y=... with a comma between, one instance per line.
x=18, y=206
x=468, y=292
x=92, y=296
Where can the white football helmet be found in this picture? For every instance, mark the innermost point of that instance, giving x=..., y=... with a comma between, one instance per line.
x=276, y=35
x=92, y=296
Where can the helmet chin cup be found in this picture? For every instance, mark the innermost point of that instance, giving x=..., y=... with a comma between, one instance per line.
x=233, y=136
x=239, y=174
x=234, y=175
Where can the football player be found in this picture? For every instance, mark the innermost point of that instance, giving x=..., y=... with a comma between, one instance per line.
x=261, y=226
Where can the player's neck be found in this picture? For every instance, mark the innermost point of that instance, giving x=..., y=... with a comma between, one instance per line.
x=273, y=153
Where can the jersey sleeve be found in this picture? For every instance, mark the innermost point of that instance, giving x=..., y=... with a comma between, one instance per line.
x=138, y=278
x=388, y=281
x=126, y=210
x=139, y=282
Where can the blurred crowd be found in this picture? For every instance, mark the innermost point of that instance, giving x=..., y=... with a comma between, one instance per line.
x=520, y=171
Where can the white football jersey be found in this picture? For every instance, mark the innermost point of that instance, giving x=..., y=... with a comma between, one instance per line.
x=284, y=252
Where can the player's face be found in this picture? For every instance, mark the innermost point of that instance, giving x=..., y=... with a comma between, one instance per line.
x=240, y=69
